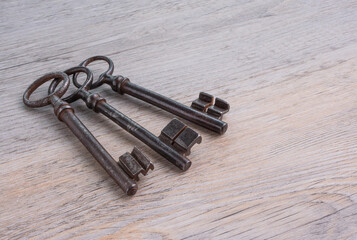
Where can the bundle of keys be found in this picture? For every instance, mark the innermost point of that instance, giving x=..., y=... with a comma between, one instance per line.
x=174, y=143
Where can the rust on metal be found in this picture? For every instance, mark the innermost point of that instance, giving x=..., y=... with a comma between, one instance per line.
x=65, y=113
x=185, y=141
x=143, y=160
x=171, y=131
x=203, y=101
x=123, y=85
x=98, y=104
x=180, y=136
x=130, y=166
x=135, y=163
x=215, y=107
x=219, y=108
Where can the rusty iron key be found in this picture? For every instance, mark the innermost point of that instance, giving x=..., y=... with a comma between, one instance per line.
x=98, y=104
x=123, y=85
x=65, y=113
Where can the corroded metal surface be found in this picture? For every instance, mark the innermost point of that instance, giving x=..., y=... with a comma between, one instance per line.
x=215, y=107
x=135, y=163
x=143, y=160
x=203, y=101
x=130, y=166
x=98, y=104
x=123, y=85
x=65, y=113
x=180, y=136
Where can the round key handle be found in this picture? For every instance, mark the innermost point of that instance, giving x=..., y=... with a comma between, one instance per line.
x=103, y=78
x=85, y=86
x=61, y=76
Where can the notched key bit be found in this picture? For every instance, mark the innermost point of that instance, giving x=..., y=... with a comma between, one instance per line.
x=65, y=113
x=171, y=131
x=203, y=102
x=180, y=137
x=143, y=160
x=219, y=108
x=135, y=163
x=208, y=104
x=185, y=141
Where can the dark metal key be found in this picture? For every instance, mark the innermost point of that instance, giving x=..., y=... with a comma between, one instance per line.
x=98, y=104
x=65, y=113
x=123, y=85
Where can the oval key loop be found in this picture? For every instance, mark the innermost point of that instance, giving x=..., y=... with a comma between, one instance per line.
x=103, y=77
x=85, y=86
x=61, y=76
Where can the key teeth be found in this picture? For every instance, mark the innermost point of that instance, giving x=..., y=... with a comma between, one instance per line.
x=220, y=103
x=185, y=141
x=218, y=109
x=143, y=160
x=206, y=97
x=203, y=102
x=170, y=132
x=213, y=107
x=182, y=138
x=135, y=163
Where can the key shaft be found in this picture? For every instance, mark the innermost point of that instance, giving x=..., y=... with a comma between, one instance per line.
x=123, y=85
x=65, y=113
x=98, y=104
x=174, y=107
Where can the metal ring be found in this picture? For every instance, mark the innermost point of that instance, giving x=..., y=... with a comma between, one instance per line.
x=46, y=100
x=85, y=86
x=101, y=78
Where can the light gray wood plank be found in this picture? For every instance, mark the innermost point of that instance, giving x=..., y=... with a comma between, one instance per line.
x=285, y=169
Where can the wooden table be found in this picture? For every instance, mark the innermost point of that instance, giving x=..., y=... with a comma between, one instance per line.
x=285, y=169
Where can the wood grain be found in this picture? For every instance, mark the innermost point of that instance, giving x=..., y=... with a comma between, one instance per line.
x=285, y=169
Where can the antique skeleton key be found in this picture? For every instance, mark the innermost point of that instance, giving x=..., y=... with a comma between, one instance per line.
x=123, y=85
x=65, y=113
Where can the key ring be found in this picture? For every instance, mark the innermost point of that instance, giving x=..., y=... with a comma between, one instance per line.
x=46, y=100
x=85, y=86
x=103, y=78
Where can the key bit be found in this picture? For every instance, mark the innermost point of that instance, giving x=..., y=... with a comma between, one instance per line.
x=185, y=141
x=180, y=137
x=208, y=104
x=65, y=113
x=204, y=101
x=143, y=160
x=135, y=163
x=219, y=108
x=171, y=131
